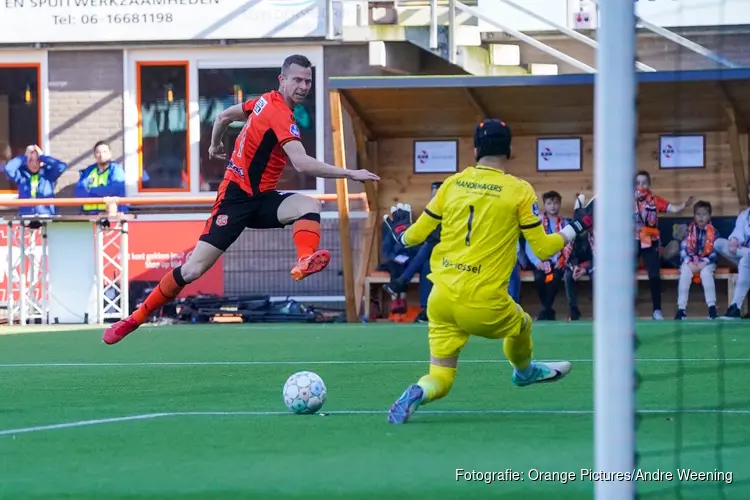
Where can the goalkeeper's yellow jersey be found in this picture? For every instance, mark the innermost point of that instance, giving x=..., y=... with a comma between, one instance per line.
x=482, y=211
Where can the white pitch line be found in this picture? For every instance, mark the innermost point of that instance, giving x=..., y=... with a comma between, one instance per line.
x=331, y=362
x=83, y=423
x=152, y=416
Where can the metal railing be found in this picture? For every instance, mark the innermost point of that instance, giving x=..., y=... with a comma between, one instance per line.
x=523, y=37
x=680, y=40
x=573, y=34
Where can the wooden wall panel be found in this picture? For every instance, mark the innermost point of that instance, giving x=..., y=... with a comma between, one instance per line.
x=715, y=183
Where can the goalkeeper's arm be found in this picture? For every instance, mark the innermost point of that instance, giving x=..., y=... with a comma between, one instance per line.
x=542, y=244
x=420, y=230
x=546, y=245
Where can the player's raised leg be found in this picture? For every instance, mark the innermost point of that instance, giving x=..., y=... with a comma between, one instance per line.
x=518, y=349
x=204, y=256
x=446, y=341
x=303, y=213
x=227, y=221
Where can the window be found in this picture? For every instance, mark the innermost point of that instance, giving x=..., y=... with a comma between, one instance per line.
x=163, y=126
x=20, y=113
x=221, y=88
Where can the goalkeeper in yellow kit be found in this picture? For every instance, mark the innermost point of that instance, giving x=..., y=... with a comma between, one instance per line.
x=482, y=210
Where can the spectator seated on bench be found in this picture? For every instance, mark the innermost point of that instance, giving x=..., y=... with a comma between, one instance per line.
x=419, y=264
x=394, y=260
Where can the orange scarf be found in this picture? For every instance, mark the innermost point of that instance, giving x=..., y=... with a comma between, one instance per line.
x=558, y=227
x=692, y=242
x=646, y=218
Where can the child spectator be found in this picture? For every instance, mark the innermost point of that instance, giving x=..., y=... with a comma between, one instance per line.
x=548, y=273
x=647, y=209
x=698, y=260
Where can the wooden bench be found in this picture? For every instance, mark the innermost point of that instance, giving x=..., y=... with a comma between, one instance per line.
x=381, y=278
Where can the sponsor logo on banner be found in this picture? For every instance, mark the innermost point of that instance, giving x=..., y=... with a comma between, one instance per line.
x=435, y=157
x=559, y=154
x=158, y=247
x=32, y=265
x=686, y=151
x=96, y=21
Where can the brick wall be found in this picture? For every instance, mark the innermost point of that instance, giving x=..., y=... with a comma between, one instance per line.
x=86, y=106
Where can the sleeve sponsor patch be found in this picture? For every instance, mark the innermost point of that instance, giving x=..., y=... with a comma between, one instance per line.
x=535, y=209
x=294, y=130
x=259, y=105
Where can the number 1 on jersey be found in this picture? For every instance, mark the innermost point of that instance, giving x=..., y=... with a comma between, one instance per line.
x=468, y=225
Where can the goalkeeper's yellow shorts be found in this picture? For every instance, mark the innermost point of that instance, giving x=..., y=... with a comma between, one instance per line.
x=452, y=323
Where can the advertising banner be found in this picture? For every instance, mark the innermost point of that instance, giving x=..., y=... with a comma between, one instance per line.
x=54, y=21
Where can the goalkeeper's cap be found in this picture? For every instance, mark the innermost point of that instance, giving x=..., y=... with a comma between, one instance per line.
x=492, y=138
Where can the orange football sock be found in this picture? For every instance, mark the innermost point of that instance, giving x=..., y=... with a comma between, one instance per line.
x=167, y=290
x=306, y=236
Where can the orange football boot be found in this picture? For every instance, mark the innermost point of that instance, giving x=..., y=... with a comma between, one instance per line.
x=120, y=330
x=311, y=265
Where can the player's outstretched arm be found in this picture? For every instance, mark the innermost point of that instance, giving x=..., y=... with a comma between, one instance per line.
x=308, y=165
x=546, y=245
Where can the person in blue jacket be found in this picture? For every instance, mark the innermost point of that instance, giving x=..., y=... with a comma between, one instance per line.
x=104, y=178
x=35, y=174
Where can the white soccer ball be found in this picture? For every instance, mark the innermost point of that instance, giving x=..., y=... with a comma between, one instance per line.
x=304, y=393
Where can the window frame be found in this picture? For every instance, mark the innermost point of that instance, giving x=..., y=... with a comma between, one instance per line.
x=243, y=57
x=138, y=101
x=32, y=59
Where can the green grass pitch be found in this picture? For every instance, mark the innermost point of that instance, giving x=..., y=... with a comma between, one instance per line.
x=196, y=412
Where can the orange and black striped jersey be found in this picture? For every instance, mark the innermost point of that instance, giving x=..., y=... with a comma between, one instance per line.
x=258, y=159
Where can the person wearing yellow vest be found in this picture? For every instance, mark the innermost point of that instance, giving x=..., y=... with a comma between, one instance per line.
x=102, y=179
x=35, y=174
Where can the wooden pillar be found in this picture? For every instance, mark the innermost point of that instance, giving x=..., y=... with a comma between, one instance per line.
x=735, y=124
x=372, y=227
x=342, y=196
x=738, y=163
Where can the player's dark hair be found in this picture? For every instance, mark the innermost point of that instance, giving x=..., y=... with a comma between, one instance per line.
x=100, y=143
x=702, y=204
x=645, y=174
x=297, y=59
x=551, y=195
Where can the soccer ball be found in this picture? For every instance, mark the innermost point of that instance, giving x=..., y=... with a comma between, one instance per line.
x=304, y=393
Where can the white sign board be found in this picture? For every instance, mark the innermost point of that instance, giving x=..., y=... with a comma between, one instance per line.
x=51, y=21
x=435, y=157
x=666, y=13
x=686, y=151
x=558, y=154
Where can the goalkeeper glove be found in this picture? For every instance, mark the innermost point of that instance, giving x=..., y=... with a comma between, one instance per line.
x=399, y=221
x=583, y=216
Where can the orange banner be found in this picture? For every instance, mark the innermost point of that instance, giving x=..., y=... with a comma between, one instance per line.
x=158, y=247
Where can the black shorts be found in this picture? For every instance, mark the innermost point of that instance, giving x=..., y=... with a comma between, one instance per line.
x=235, y=210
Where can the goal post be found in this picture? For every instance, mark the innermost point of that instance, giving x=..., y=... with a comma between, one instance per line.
x=614, y=297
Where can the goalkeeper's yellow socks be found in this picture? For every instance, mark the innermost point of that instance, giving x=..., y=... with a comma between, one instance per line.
x=438, y=383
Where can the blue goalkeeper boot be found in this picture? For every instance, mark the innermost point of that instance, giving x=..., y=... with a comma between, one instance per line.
x=541, y=372
x=406, y=405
